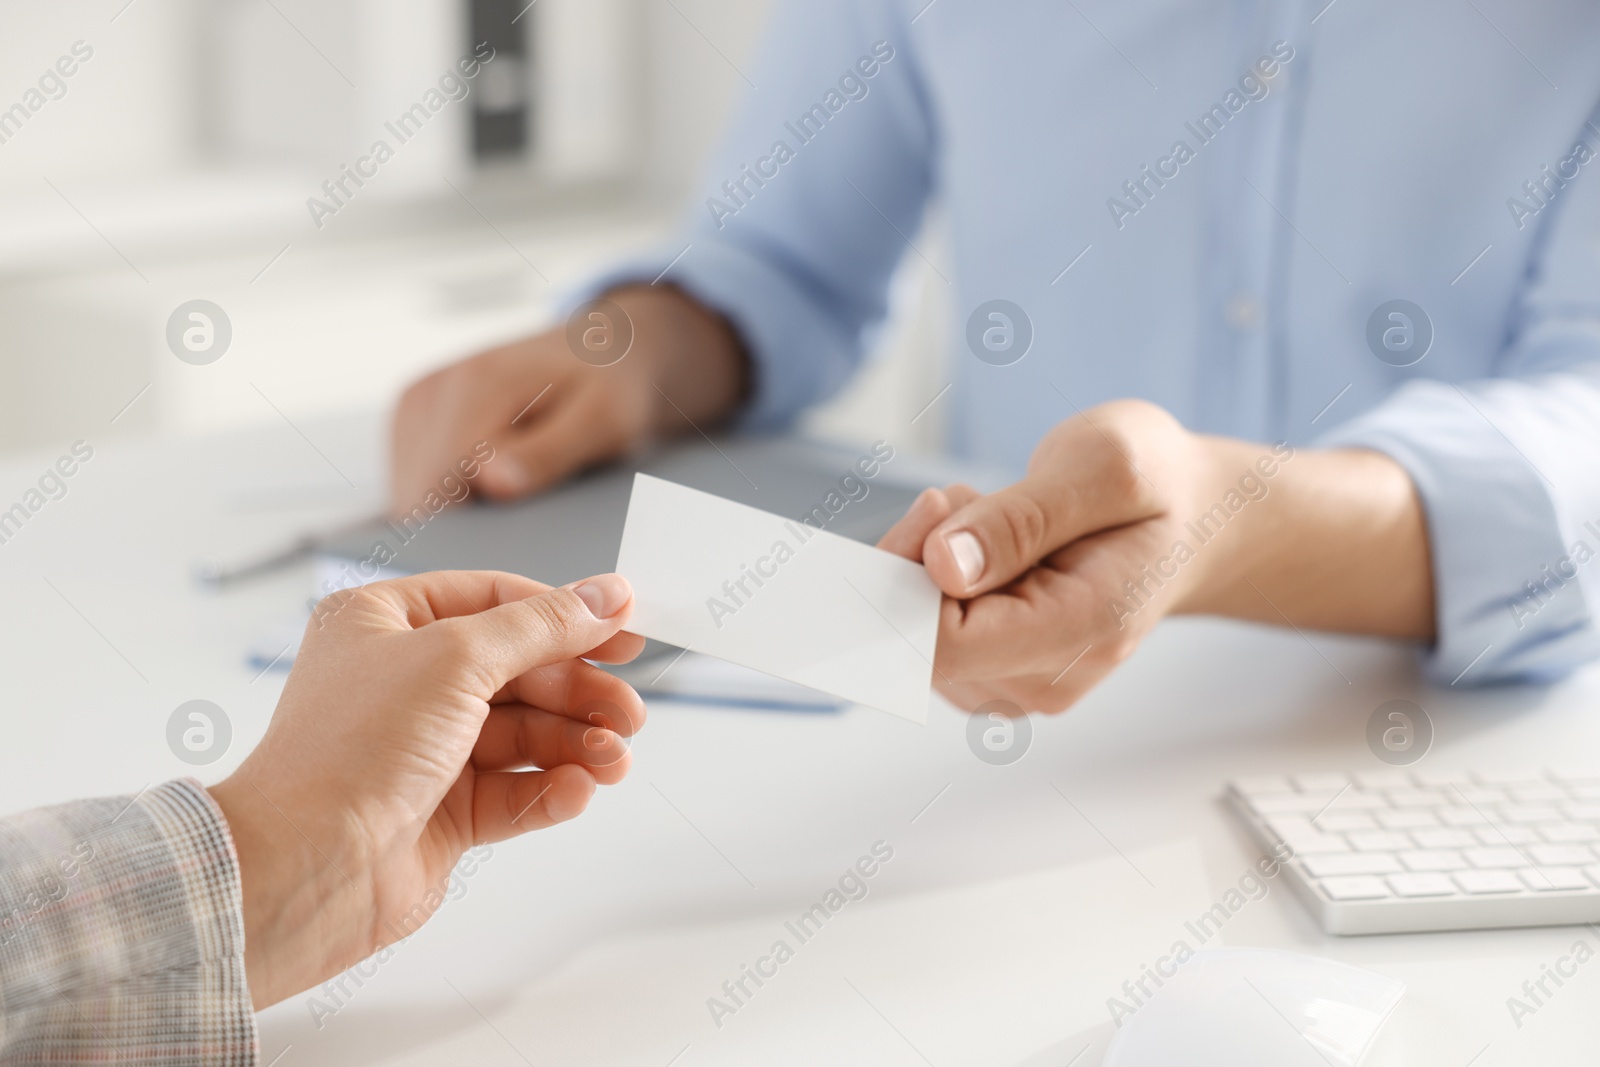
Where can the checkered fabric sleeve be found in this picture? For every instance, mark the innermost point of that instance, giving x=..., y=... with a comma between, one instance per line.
x=122, y=935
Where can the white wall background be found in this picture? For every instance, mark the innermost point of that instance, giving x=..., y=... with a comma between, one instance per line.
x=178, y=163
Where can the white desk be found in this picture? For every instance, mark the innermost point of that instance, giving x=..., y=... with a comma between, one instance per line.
x=598, y=942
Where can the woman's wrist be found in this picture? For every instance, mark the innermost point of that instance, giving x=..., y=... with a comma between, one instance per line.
x=306, y=916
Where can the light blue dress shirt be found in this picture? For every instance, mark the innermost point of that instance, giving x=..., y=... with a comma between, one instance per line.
x=1211, y=205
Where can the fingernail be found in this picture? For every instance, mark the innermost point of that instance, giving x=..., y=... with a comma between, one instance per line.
x=605, y=595
x=968, y=554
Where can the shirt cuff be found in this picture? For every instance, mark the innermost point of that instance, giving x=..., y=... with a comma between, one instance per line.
x=798, y=356
x=1494, y=531
x=122, y=933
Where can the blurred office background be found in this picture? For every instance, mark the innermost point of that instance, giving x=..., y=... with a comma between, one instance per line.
x=176, y=163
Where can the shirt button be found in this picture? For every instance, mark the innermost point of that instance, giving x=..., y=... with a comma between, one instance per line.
x=1243, y=311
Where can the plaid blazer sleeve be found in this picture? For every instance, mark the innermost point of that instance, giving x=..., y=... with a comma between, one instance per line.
x=122, y=935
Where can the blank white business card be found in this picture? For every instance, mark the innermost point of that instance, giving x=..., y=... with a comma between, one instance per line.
x=780, y=596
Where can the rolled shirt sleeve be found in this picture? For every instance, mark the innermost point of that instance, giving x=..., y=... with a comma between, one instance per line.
x=1508, y=470
x=1512, y=521
x=121, y=934
x=809, y=202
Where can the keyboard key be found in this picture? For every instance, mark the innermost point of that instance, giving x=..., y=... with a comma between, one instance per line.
x=1432, y=859
x=1463, y=817
x=1379, y=841
x=1548, y=879
x=1559, y=855
x=1487, y=882
x=1354, y=888
x=1477, y=795
x=1287, y=826
x=1325, y=783
x=1506, y=835
x=1384, y=780
x=1537, y=794
x=1593, y=871
x=1339, y=822
x=1359, y=800
x=1522, y=814
x=1416, y=798
x=1576, y=775
x=1509, y=777
x=1316, y=844
x=1451, y=838
x=1261, y=785
x=1290, y=803
x=1421, y=885
x=1361, y=863
x=1405, y=820
x=1440, y=779
x=1568, y=831
x=1582, y=809
x=1585, y=792
x=1495, y=857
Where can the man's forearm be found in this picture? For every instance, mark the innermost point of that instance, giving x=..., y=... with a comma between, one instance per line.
x=1339, y=542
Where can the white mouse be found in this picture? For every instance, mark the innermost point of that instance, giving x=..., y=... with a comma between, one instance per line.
x=1256, y=1008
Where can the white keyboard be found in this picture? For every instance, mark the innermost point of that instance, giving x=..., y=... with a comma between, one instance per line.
x=1406, y=850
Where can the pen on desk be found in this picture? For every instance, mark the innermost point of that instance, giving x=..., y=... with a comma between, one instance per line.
x=217, y=572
